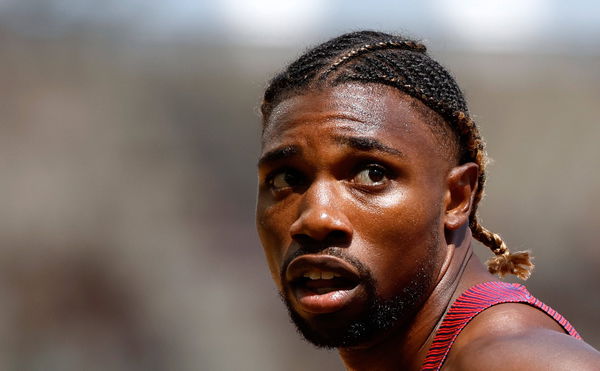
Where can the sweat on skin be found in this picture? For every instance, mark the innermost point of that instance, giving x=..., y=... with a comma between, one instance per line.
x=364, y=214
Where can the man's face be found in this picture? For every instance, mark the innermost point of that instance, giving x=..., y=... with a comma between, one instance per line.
x=350, y=210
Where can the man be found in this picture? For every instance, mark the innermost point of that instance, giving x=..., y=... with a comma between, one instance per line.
x=369, y=180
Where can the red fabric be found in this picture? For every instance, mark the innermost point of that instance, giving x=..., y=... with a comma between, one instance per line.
x=474, y=301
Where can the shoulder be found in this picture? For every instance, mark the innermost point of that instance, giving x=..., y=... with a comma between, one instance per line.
x=516, y=337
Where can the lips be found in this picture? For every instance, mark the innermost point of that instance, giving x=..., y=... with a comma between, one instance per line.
x=322, y=283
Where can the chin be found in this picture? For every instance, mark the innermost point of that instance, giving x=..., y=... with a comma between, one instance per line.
x=380, y=317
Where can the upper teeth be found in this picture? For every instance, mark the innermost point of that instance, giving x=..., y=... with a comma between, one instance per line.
x=319, y=275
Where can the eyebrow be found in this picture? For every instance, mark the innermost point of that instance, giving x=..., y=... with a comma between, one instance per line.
x=367, y=144
x=278, y=154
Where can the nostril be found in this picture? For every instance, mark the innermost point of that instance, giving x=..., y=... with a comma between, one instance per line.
x=337, y=237
x=333, y=238
x=309, y=243
x=303, y=239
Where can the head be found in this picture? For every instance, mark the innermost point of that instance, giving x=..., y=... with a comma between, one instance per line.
x=369, y=161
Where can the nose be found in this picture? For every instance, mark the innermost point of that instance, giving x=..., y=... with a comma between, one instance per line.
x=321, y=218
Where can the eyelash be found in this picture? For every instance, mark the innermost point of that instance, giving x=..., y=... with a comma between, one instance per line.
x=387, y=175
x=270, y=178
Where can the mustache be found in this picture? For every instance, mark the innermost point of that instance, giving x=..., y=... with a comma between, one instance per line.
x=338, y=252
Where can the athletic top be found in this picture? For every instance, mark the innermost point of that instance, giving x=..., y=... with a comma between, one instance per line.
x=472, y=302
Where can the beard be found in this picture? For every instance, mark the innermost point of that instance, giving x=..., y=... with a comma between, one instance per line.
x=380, y=315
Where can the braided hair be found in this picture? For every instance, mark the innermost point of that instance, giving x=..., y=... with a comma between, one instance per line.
x=375, y=57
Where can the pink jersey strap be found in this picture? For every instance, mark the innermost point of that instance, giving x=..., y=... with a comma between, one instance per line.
x=471, y=303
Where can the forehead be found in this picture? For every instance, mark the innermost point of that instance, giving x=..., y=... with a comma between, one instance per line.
x=364, y=110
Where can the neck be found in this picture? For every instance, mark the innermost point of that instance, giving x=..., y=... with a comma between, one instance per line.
x=407, y=347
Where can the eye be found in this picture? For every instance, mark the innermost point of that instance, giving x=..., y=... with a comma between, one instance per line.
x=371, y=175
x=284, y=179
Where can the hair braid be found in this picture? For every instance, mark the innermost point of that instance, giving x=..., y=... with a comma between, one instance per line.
x=374, y=57
x=503, y=262
x=398, y=44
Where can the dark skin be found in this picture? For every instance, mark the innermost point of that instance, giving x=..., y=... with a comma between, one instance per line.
x=358, y=168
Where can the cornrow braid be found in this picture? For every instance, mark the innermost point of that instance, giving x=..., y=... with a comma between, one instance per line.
x=399, y=44
x=519, y=263
x=375, y=57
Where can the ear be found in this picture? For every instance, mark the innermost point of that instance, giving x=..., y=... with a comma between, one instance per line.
x=462, y=183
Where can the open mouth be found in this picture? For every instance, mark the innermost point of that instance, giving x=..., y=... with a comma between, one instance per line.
x=322, y=284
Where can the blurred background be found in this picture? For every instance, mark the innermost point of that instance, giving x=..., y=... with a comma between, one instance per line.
x=128, y=141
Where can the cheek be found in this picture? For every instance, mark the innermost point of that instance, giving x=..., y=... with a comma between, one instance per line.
x=399, y=217
x=399, y=237
x=273, y=230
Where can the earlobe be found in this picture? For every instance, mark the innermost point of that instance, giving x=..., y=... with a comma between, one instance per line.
x=462, y=185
